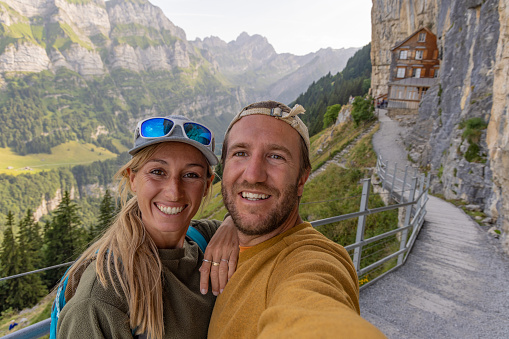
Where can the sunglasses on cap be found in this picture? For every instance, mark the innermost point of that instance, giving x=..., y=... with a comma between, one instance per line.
x=161, y=127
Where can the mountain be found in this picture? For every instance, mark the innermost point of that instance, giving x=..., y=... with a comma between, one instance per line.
x=353, y=80
x=252, y=62
x=89, y=69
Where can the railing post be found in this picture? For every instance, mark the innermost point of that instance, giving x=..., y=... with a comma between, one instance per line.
x=384, y=185
x=404, y=184
x=421, y=189
x=361, y=224
x=394, y=178
x=427, y=188
x=404, y=235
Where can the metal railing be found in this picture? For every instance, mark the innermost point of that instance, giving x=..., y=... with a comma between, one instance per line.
x=409, y=190
x=411, y=193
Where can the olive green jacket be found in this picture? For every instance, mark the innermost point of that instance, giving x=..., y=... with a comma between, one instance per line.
x=98, y=312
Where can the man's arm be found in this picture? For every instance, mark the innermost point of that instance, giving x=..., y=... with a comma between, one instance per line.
x=313, y=292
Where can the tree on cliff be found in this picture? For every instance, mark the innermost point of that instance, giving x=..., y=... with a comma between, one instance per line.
x=331, y=115
x=63, y=238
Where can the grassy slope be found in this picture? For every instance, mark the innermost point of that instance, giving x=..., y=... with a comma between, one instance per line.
x=39, y=312
x=70, y=153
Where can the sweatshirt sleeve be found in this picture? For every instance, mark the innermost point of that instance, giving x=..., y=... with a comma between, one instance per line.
x=94, y=311
x=207, y=228
x=92, y=318
x=314, y=293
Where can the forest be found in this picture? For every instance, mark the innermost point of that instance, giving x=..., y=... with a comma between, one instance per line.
x=59, y=240
x=354, y=80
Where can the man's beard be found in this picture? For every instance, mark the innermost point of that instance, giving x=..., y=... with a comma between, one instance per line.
x=271, y=219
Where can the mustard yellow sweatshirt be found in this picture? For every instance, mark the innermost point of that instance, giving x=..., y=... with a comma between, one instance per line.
x=298, y=284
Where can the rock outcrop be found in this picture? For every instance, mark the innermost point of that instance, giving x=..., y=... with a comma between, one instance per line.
x=468, y=160
x=95, y=37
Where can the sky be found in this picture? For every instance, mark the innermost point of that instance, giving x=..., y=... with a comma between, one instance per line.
x=290, y=26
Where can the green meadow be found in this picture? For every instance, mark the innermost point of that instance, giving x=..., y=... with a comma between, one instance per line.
x=67, y=154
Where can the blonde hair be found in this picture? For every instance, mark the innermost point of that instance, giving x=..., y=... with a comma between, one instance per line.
x=127, y=256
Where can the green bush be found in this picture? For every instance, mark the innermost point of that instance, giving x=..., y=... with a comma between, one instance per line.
x=472, y=133
x=362, y=110
x=331, y=115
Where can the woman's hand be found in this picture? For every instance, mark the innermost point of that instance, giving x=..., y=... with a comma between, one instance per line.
x=221, y=258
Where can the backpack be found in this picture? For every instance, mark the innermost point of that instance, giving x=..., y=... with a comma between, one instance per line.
x=64, y=295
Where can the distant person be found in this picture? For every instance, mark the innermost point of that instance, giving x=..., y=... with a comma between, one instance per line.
x=291, y=281
x=12, y=325
x=142, y=276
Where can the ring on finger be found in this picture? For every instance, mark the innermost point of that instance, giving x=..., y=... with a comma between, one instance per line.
x=205, y=260
x=215, y=263
x=225, y=260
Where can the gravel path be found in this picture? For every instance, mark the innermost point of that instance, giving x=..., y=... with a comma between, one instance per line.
x=388, y=140
x=455, y=281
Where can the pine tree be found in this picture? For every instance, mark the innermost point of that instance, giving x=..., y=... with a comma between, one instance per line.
x=63, y=238
x=107, y=212
x=30, y=287
x=10, y=264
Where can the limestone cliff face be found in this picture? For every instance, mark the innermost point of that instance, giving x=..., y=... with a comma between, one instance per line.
x=95, y=37
x=48, y=205
x=392, y=22
x=498, y=128
x=472, y=37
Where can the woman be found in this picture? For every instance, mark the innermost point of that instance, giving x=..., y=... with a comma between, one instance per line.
x=142, y=276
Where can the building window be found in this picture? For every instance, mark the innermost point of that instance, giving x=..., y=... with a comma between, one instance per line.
x=401, y=92
x=397, y=92
x=416, y=73
x=412, y=93
x=422, y=37
x=419, y=54
x=403, y=54
x=435, y=75
x=401, y=72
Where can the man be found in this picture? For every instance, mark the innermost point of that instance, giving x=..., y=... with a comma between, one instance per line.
x=291, y=281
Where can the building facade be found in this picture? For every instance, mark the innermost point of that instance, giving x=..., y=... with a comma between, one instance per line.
x=415, y=65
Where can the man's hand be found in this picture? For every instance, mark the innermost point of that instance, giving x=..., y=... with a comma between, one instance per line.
x=221, y=258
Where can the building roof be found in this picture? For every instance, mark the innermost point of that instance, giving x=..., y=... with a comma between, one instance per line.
x=410, y=36
x=416, y=82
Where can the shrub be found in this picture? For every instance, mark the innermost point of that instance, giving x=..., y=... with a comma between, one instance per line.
x=473, y=131
x=331, y=115
x=362, y=110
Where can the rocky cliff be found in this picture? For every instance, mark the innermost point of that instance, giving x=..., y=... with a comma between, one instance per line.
x=460, y=133
x=94, y=37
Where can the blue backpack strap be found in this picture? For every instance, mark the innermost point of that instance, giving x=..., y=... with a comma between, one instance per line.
x=197, y=237
x=58, y=304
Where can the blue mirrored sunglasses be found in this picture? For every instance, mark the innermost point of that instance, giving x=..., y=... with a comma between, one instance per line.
x=162, y=127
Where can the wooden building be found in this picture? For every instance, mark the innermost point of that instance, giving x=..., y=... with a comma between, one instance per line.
x=414, y=68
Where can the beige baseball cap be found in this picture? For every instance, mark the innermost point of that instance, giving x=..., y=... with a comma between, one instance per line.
x=279, y=111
